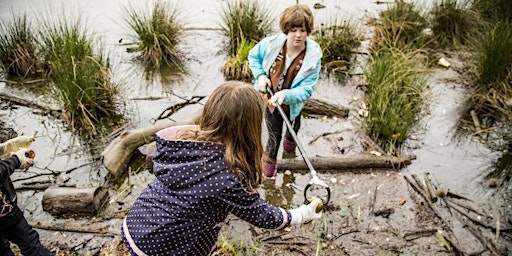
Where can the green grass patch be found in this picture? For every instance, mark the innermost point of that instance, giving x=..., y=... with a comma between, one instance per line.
x=237, y=66
x=492, y=52
x=494, y=10
x=155, y=34
x=81, y=76
x=338, y=39
x=401, y=26
x=395, y=96
x=18, y=48
x=245, y=20
x=453, y=22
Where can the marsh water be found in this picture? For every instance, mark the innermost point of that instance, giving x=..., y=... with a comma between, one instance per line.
x=457, y=164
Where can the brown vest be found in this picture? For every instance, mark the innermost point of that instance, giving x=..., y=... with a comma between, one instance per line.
x=282, y=81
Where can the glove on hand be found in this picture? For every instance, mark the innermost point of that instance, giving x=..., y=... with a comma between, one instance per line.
x=278, y=98
x=263, y=82
x=305, y=213
x=24, y=160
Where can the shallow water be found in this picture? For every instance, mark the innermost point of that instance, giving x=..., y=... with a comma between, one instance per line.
x=455, y=165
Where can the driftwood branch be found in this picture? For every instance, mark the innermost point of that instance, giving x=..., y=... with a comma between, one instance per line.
x=97, y=228
x=57, y=113
x=118, y=153
x=315, y=107
x=362, y=161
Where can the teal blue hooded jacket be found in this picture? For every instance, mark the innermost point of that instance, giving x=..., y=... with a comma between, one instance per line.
x=263, y=55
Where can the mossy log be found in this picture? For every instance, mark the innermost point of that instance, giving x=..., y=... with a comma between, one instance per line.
x=354, y=162
x=61, y=201
x=315, y=107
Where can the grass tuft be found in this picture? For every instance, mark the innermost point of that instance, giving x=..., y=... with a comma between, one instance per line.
x=401, y=26
x=18, y=48
x=81, y=77
x=245, y=20
x=453, y=22
x=338, y=39
x=155, y=35
x=237, y=66
x=395, y=96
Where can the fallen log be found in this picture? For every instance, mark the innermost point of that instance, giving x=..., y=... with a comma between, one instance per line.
x=361, y=161
x=57, y=113
x=118, y=153
x=96, y=228
x=74, y=201
x=315, y=107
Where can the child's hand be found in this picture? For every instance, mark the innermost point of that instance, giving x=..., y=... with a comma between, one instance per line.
x=23, y=156
x=278, y=98
x=263, y=82
x=306, y=213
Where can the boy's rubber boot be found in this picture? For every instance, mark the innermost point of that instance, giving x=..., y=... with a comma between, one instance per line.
x=269, y=166
x=289, y=149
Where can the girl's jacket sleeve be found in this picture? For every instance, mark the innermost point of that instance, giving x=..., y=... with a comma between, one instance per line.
x=252, y=208
x=7, y=167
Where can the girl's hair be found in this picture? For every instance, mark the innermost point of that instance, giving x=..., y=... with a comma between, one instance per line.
x=296, y=16
x=233, y=115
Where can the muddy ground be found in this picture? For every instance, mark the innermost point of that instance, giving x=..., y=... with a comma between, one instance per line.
x=372, y=212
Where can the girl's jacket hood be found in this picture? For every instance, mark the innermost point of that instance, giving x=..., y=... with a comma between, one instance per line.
x=173, y=154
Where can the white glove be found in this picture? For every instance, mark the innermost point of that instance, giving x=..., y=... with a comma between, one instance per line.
x=24, y=160
x=305, y=213
x=263, y=82
x=278, y=98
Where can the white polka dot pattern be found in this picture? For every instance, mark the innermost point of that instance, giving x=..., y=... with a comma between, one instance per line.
x=182, y=210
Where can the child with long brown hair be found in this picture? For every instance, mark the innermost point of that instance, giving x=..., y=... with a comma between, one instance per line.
x=203, y=173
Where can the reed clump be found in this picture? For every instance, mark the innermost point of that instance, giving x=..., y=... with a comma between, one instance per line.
x=245, y=20
x=154, y=35
x=80, y=74
x=453, y=22
x=395, y=96
x=338, y=39
x=237, y=66
x=401, y=26
x=490, y=98
x=18, y=47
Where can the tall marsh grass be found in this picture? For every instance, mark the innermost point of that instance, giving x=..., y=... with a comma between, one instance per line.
x=453, y=22
x=337, y=39
x=18, y=47
x=401, y=26
x=492, y=51
x=491, y=95
x=81, y=76
x=155, y=34
x=494, y=10
x=250, y=20
x=395, y=96
x=237, y=66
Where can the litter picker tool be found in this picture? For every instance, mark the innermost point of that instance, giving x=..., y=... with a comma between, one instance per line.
x=315, y=183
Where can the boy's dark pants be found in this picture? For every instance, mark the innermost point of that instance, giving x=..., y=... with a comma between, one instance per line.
x=23, y=235
x=275, y=129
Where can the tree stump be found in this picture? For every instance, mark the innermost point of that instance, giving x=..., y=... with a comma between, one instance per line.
x=74, y=201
